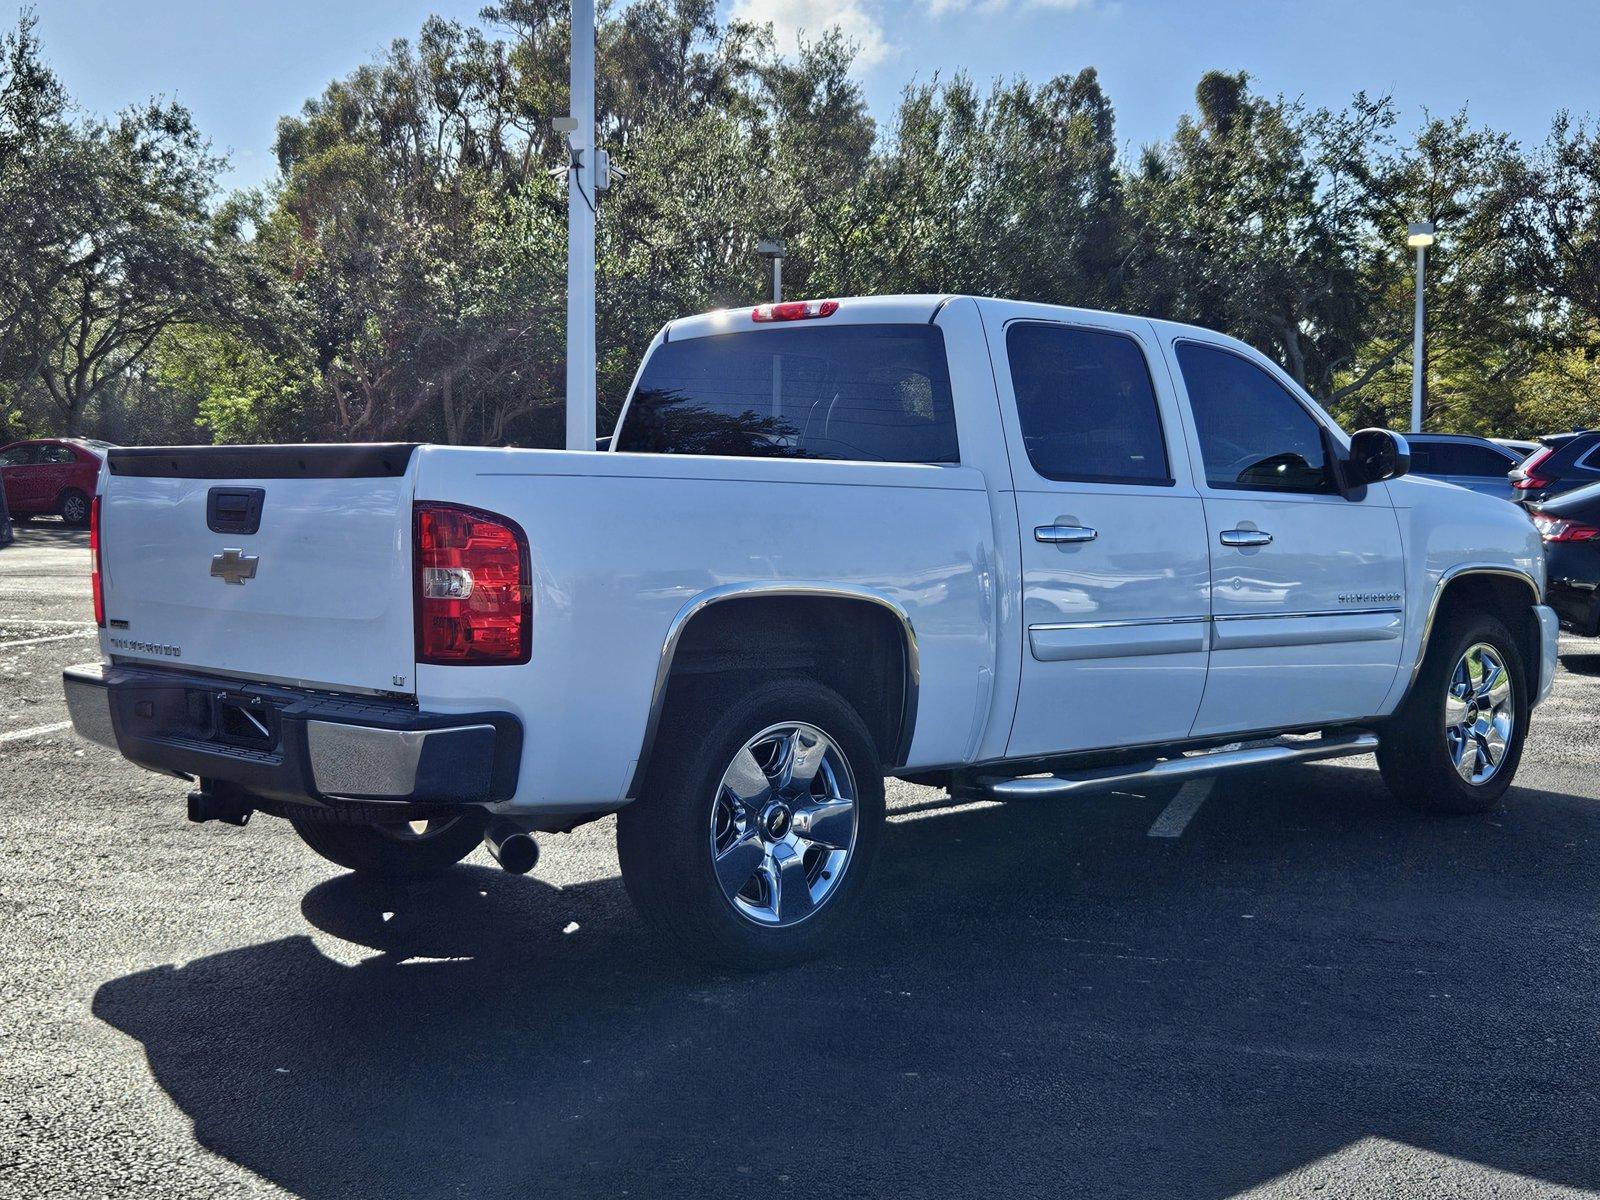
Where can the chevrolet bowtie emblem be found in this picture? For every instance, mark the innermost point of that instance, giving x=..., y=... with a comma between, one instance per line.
x=234, y=566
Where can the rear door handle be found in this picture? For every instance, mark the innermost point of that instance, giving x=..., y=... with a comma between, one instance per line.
x=1064, y=533
x=1246, y=537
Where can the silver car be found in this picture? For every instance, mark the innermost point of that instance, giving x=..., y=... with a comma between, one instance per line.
x=1471, y=462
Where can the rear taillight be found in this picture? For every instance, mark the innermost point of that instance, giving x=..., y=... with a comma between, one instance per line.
x=95, y=583
x=1559, y=529
x=794, y=310
x=474, y=604
x=1529, y=481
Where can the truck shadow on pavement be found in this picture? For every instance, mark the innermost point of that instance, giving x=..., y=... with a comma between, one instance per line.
x=1038, y=1000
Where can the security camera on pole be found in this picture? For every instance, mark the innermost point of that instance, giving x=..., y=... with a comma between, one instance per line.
x=773, y=250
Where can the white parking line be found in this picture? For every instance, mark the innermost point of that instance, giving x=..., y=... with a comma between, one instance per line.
x=54, y=637
x=37, y=731
x=1175, y=817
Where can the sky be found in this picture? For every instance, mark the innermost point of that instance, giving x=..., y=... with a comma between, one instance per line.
x=240, y=64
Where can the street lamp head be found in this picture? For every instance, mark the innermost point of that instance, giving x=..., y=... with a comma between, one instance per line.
x=770, y=248
x=1420, y=234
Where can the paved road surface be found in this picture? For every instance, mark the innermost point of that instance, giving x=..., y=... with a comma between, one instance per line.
x=1308, y=991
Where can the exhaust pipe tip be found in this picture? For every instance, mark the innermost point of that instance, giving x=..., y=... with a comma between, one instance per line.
x=511, y=846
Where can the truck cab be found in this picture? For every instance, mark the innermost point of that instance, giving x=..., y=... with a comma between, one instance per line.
x=1004, y=548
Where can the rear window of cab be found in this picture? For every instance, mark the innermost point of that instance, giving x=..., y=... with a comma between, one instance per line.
x=872, y=393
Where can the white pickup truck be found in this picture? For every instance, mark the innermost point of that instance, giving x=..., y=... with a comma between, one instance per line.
x=1008, y=549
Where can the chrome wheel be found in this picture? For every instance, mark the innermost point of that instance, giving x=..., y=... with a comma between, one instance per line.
x=783, y=824
x=1478, y=715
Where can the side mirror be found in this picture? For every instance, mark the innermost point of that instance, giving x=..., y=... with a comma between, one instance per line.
x=1376, y=455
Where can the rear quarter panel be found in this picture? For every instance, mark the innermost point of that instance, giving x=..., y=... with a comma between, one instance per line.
x=622, y=543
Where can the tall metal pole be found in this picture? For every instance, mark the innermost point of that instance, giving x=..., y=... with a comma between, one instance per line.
x=1417, y=364
x=1419, y=236
x=582, y=196
x=777, y=279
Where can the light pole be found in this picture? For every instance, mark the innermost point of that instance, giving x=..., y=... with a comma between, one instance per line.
x=583, y=194
x=1419, y=236
x=773, y=249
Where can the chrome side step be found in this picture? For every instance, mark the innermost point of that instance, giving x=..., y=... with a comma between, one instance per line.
x=1192, y=766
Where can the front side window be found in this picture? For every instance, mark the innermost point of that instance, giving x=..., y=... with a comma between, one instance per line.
x=1086, y=405
x=1254, y=434
x=17, y=456
x=878, y=393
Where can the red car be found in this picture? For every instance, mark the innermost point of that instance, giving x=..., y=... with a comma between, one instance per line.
x=51, y=475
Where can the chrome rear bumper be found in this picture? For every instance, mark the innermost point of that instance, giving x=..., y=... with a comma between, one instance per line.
x=282, y=744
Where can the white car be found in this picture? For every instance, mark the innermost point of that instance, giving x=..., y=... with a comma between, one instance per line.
x=1009, y=549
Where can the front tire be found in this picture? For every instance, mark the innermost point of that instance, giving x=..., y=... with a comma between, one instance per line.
x=398, y=851
x=1455, y=742
x=757, y=825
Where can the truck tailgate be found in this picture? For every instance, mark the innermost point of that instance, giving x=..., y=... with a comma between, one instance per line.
x=282, y=563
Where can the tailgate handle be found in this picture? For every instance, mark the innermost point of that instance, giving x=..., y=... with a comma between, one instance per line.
x=234, y=510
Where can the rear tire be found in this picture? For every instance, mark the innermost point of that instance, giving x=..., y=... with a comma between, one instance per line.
x=1454, y=744
x=398, y=851
x=74, y=508
x=756, y=829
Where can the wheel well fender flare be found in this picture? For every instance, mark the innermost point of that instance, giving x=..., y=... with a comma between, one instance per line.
x=817, y=590
x=1456, y=575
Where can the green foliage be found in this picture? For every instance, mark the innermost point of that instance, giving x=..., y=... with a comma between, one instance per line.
x=404, y=275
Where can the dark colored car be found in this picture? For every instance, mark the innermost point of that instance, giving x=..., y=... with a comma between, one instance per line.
x=51, y=476
x=1570, y=526
x=1562, y=462
x=1474, y=463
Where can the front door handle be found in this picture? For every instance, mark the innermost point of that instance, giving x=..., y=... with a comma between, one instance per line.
x=1246, y=537
x=1064, y=533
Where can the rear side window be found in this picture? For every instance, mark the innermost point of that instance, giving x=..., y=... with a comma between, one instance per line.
x=56, y=455
x=1254, y=434
x=878, y=393
x=1463, y=458
x=1086, y=405
x=1589, y=460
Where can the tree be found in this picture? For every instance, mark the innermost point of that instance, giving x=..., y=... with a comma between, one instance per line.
x=1487, y=324
x=1254, y=220
x=113, y=242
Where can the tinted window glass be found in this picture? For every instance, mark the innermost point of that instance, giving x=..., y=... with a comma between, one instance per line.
x=56, y=455
x=1086, y=405
x=17, y=456
x=1589, y=458
x=1424, y=457
x=1253, y=433
x=1463, y=458
x=874, y=392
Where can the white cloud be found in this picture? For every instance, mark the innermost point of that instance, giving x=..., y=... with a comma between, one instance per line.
x=812, y=18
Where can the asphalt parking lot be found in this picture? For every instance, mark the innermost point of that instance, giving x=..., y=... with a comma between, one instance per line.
x=1301, y=990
